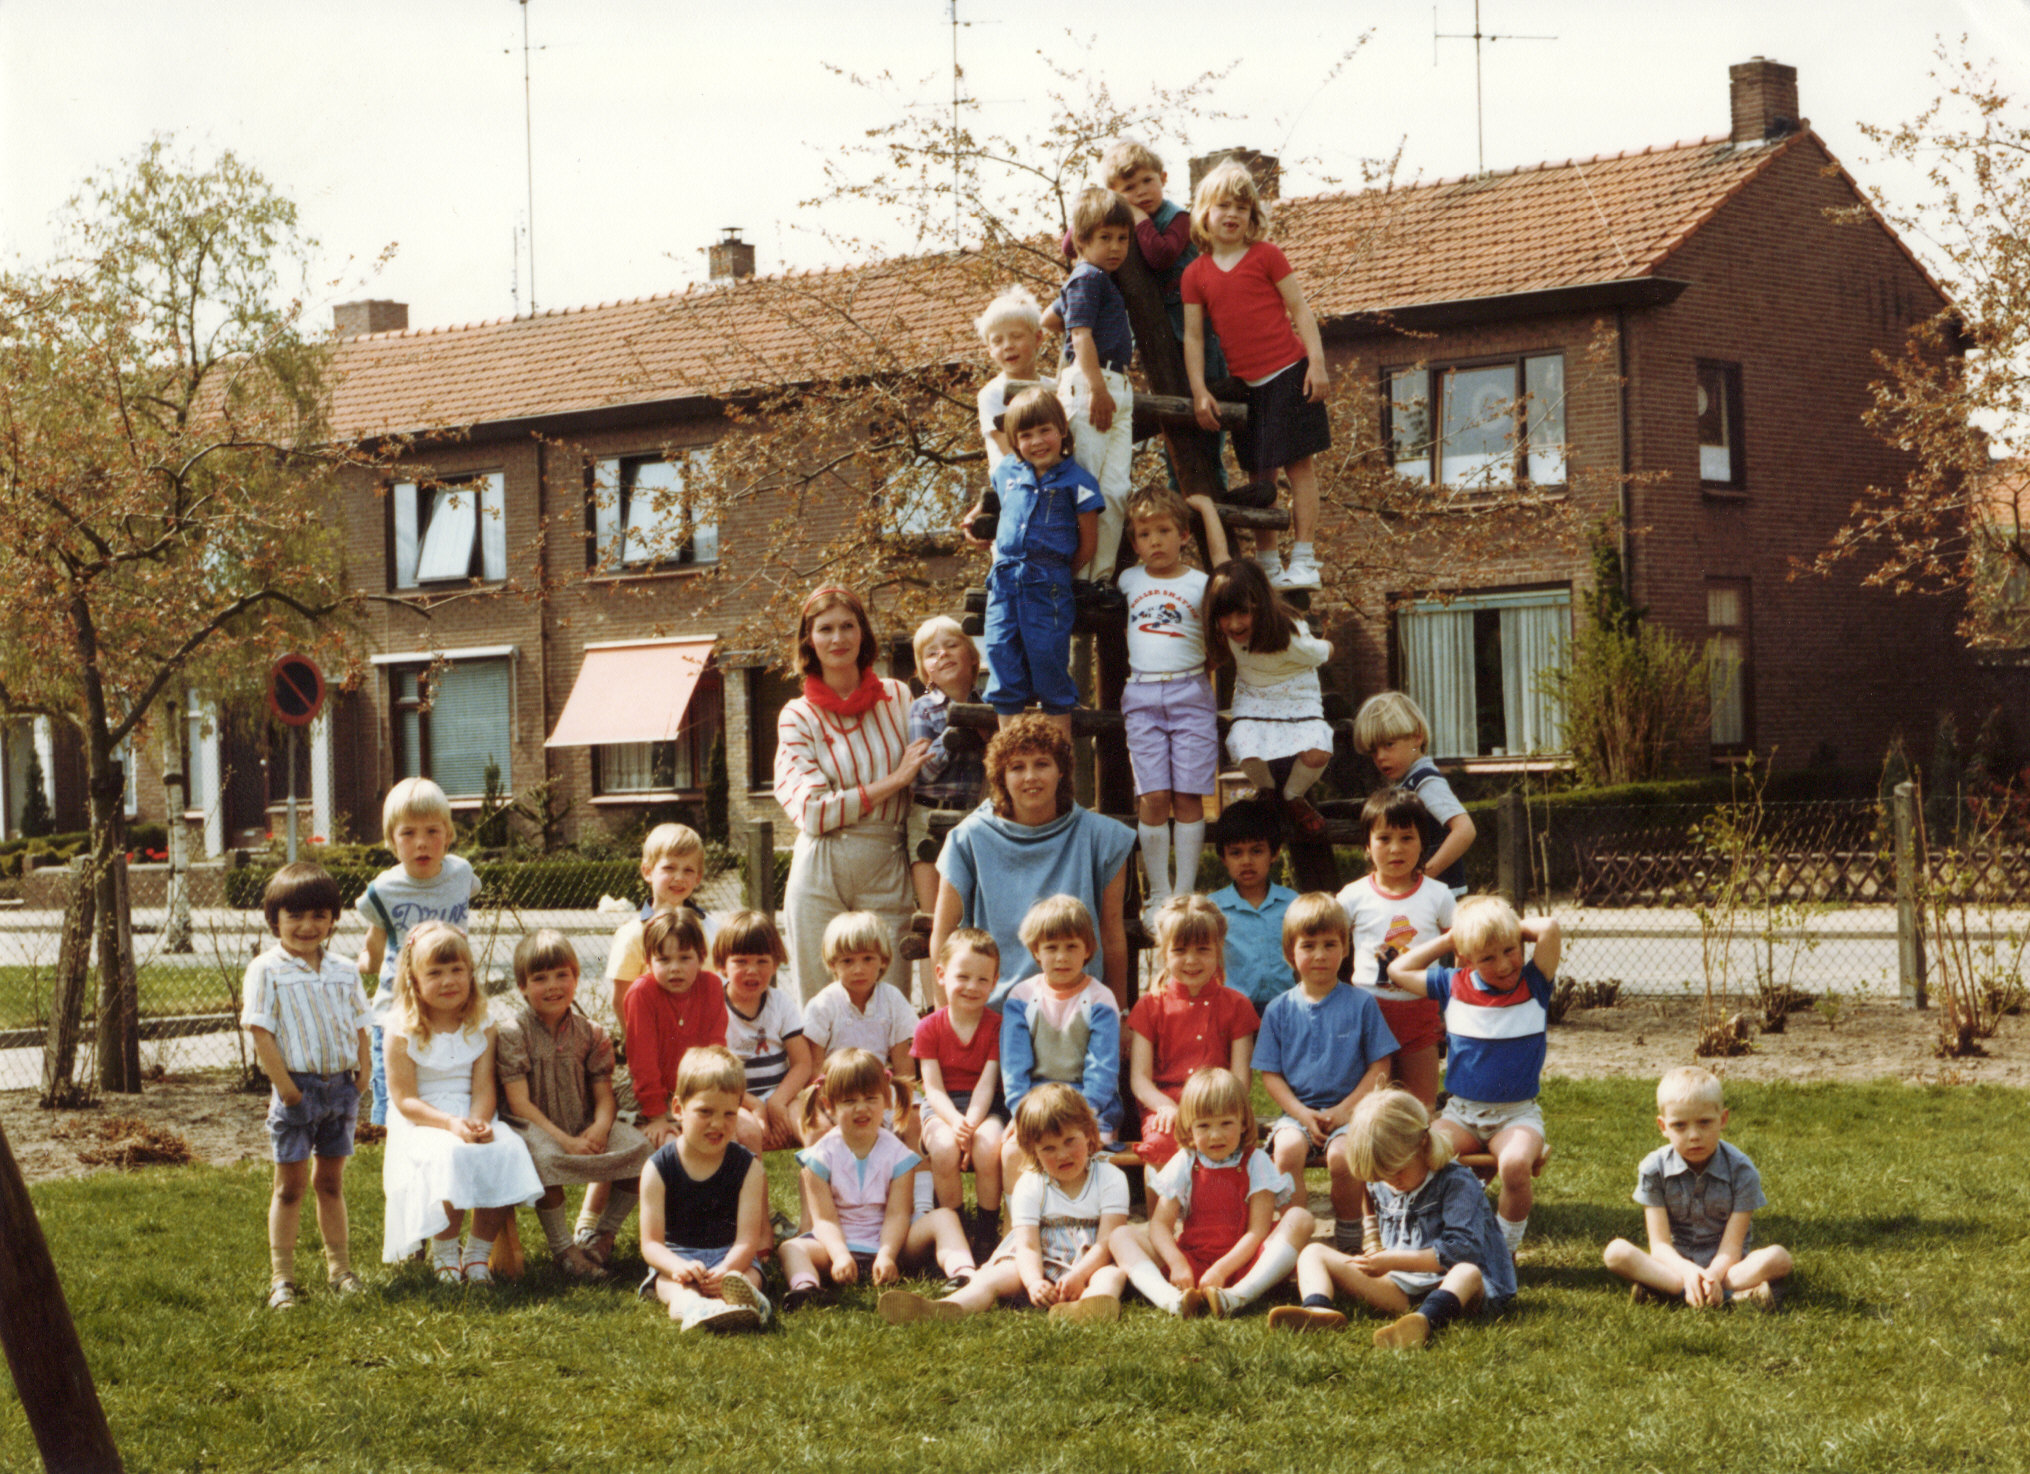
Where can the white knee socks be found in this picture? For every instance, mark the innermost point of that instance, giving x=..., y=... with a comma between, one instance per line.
x=1148, y=1277
x=556, y=1228
x=1272, y=1267
x=1190, y=842
x=1156, y=860
x=1301, y=777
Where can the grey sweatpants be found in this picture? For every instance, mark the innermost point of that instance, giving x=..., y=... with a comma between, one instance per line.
x=858, y=868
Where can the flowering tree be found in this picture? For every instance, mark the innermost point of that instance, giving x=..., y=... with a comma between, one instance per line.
x=1959, y=393
x=163, y=485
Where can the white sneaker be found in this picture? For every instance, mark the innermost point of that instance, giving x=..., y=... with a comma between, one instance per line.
x=1272, y=565
x=738, y=1290
x=1303, y=573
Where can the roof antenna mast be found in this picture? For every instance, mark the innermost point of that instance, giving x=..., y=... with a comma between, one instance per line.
x=1477, y=36
x=529, y=156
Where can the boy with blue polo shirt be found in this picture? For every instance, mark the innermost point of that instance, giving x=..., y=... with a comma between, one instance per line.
x=1321, y=1048
x=1247, y=836
x=1698, y=1196
x=1098, y=401
x=1496, y=1013
x=1050, y=511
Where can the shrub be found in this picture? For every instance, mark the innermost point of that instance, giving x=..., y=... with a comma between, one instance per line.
x=36, y=820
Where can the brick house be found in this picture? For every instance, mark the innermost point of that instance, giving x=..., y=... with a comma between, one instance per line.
x=1685, y=318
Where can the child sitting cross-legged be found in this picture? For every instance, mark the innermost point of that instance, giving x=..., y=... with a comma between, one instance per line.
x=1189, y=1021
x=1322, y=1047
x=858, y=1182
x=1059, y=1025
x=1441, y=1254
x=1496, y=1012
x=1215, y=1242
x=764, y=1029
x=1699, y=1195
x=1063, y=1215
x=555, y=1068
x=958, y=1050
x=704, y=1204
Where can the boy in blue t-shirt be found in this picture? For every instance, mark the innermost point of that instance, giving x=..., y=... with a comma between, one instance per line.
x=1322, y=1046
x=1247, y=837
x=426, y=883
x=1099, y=345
x=1496, y=1012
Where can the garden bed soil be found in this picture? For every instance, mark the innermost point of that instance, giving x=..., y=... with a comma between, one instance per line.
x=1641, y=1038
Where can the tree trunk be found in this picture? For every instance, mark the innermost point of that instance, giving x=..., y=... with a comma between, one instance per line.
x=67, y=1001
x=119, y=1007
x=50, y=1372
x=1162, y=358
x=176, y=930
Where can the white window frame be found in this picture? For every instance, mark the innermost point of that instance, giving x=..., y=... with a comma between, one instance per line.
x=1435, y=640
x=413, y=518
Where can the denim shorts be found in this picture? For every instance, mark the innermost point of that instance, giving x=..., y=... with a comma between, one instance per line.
x=320, y=1124
x=1291, y=1123
x=963, y=1099
x=710, y=1258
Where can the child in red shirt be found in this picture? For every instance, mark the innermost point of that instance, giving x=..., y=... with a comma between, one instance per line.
x=1188, y=1022
x=958, y=1055
x=676, y=1005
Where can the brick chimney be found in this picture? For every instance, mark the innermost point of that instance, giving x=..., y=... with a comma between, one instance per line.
x=1267, y=171
x=1764, y=95
x=354, y=319
x=732, y=259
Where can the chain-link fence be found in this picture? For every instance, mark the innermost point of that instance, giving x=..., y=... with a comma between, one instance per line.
x=1770, y=902
x=188, y=990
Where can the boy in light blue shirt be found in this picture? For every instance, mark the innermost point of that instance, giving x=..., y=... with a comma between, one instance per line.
x=1247, y=837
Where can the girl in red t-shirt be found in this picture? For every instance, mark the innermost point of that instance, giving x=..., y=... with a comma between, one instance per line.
x=958, y=1056
x=1244, y=286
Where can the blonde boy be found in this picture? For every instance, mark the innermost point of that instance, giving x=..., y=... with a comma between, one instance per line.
x=1058, y=1024
x=1698, y=1195
x=954, y=776
x=1390, y=729
x=706, y=1273
x=1093, y=316
x=426, y=883
x=1496, y=1011
x=308, y=1017
x=1321, y=1048
x=858, y=1010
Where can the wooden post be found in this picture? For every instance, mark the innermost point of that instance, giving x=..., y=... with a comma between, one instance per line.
x=1511, y=849
x=50, y=1372
x=761, y=868
x=1909, y=914
x=67, y=999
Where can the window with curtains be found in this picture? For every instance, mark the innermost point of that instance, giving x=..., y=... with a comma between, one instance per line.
x=1721, y=463
x=1473, y=666
x=1480, y=426
x=648, y=512
x=1727, y=663
x=666, y=767
x=447, y=531
x=448, y=725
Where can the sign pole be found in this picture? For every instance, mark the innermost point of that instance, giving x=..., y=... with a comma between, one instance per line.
x=291, y=740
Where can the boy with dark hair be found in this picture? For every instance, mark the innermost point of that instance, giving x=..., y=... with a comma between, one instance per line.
x=309, y=1018
x=1247, y=837
x=1100, y=344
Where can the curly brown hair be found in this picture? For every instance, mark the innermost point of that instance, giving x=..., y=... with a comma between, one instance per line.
x=1027, y=735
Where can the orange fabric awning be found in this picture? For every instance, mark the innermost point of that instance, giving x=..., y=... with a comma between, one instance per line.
x=633, y=692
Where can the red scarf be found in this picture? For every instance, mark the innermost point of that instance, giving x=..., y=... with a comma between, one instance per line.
x=870, y=693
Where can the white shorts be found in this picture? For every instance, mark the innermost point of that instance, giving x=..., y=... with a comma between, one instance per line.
x=1485, y=1118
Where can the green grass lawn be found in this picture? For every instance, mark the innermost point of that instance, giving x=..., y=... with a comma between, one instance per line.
x=24, y=992
x=1903, y=1346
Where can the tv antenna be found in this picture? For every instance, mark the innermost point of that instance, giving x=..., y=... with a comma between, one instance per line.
x=1476, y=37
x=529, y=155
x=960, y=100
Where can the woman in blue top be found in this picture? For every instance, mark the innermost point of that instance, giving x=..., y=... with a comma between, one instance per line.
x=1030, y=841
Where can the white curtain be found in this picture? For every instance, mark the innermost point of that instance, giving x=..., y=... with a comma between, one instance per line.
x=1532, y=641
x=447, y=541
x=493, y=527
x=469, y=726
x=1437, y=663
x=627, y=767
x=404, y=494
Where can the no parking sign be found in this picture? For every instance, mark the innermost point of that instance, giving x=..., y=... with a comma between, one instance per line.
x=295, y=690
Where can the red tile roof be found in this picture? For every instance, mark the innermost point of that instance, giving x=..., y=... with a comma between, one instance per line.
x=1551, y=225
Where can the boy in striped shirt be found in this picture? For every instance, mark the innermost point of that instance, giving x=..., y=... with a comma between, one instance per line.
x=764, y=1029
x=309, y=1017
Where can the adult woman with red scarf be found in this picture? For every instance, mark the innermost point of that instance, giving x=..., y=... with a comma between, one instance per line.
x=843, y=768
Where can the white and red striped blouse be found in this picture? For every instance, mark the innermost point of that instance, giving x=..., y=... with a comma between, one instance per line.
x=823, y=763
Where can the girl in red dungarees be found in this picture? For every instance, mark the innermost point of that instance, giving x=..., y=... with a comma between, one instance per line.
x=1215, y=1216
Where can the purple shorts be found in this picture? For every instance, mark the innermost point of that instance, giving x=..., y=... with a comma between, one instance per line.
x=1173, y=734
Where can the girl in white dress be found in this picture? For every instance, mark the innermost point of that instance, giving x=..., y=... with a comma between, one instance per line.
x=445, y=1153
x=1278, y=706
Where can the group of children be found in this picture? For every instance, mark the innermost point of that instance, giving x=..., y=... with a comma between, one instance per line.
x=492, y=1111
